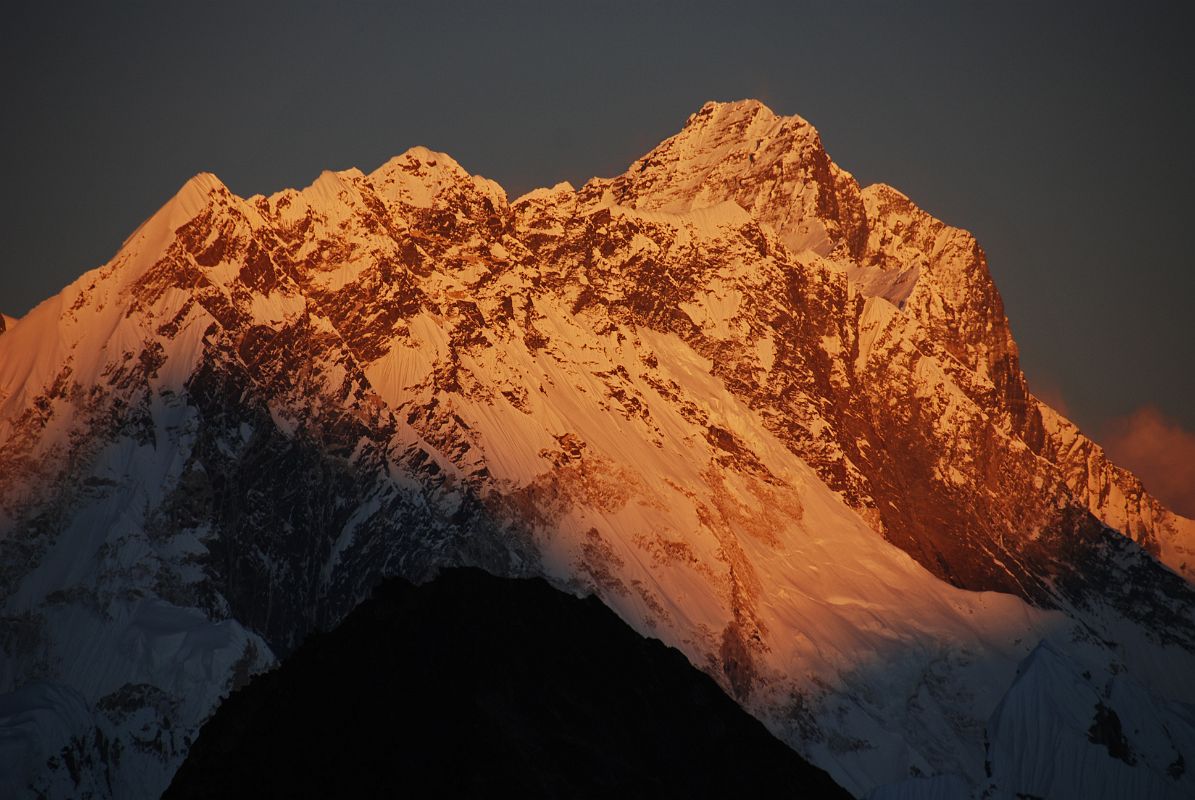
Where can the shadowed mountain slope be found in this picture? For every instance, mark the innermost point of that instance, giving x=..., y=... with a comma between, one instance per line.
x=473, y=685
x=771, y=417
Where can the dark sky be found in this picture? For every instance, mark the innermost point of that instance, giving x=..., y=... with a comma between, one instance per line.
x=1062, y=134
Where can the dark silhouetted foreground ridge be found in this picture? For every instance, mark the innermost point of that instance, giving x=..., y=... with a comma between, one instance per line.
x=474, y=684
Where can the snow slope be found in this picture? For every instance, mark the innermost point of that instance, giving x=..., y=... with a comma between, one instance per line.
x=772, y=418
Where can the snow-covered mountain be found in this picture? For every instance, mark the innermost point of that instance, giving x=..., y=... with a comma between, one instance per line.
x=770, y=417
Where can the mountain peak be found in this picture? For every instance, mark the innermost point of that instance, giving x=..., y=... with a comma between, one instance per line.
x=419, y=175
x=418, y=155
x=823, y=478
x=194, y=195
x=721, y=112
x=191, y=198
x=774, y=167
x=885, y=192
x=157, y=232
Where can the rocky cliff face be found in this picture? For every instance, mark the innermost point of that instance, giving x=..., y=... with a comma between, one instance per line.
x=770, y=417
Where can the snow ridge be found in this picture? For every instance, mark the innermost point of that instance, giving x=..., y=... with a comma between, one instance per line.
x=772, y=418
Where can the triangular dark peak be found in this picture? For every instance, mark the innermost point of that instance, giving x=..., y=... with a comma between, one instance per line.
x=472, y=682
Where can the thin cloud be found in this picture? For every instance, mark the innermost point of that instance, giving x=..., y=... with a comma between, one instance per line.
x=1160, y=451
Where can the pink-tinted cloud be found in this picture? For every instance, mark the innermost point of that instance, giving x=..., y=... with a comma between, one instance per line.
x=1160, y=452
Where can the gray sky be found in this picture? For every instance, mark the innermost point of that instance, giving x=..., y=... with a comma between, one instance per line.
x=1061, y=134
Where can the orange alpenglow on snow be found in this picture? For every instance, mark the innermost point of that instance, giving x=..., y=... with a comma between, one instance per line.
x=769, y=416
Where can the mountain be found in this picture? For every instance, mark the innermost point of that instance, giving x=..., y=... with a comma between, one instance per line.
x=769, y=417
x=458, y=687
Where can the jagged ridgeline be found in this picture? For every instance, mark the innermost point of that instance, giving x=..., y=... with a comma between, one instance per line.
x=770, y=417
